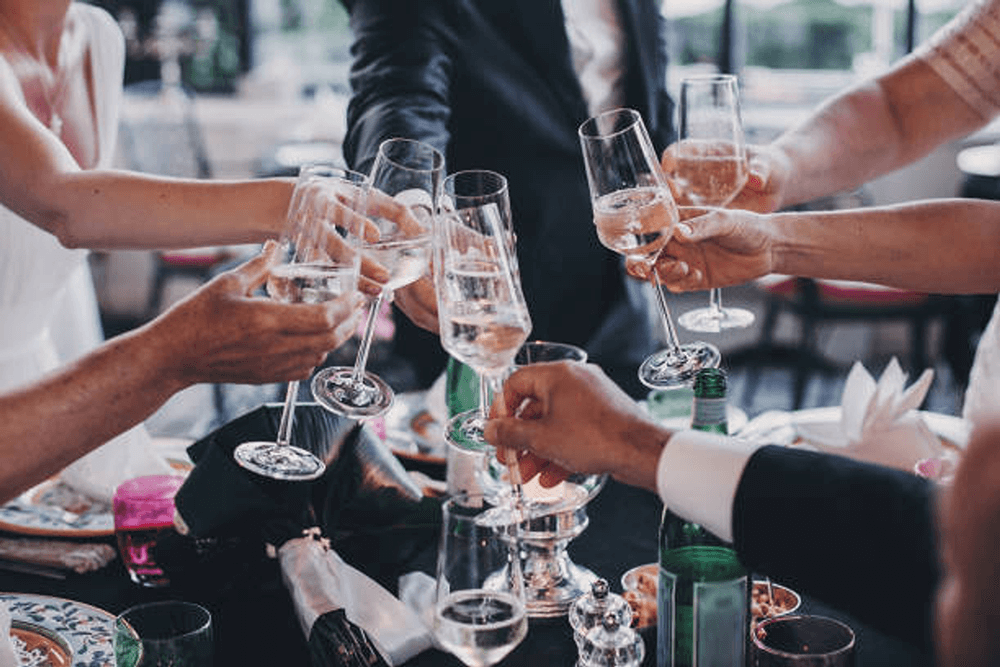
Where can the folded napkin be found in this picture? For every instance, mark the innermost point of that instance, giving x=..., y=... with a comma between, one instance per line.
x=131, y=454
x=879, y=420
x=349, y=619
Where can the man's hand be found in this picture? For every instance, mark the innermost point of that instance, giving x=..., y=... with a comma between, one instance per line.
x=223, y=333
x=571, y=417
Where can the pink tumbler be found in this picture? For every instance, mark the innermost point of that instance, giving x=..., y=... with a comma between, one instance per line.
x=144, y=512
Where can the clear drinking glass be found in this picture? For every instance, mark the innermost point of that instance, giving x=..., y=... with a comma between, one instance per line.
x=635, y=215
x=482, y=312
x=169, y=632
x=321, y=240
x=802, y=641
x=709, y=168
x=403, y=188
x=479, y=605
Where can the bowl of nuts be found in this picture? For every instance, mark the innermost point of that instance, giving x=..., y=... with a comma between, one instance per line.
x=762, y=606
x=639, y=590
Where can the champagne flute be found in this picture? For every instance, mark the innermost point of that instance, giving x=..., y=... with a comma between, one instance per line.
x=403, y=188
x=482, y=312
x=321, y=241
x=635, y=215
x=709, y=169
x=479, y=598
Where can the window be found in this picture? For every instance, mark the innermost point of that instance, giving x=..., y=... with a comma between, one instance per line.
x=792, y=54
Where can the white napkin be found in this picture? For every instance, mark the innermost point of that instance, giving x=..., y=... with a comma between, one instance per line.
x=8, y=658
x=129, y=455
x=879, y=421
x=319, y=582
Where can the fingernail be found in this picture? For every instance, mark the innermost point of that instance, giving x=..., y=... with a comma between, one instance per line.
x=684, y=229
x=684, y=268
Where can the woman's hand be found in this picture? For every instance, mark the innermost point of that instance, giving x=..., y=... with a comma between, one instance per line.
x=713, y=248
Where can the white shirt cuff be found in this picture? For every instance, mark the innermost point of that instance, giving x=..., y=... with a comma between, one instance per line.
x=697, y=477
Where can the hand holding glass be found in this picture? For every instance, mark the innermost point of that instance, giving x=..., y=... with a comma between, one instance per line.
x=709, y=168
x=321, y=238
x=635, y=215
x=402, y=191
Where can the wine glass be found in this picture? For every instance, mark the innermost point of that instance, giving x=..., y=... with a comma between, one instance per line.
x=482, y=312
x=321, y=240
x=479, y=602
x=635, y=215
x=709, y=168
x=403, y=188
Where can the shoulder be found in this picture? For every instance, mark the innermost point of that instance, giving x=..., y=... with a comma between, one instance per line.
x=100, y=24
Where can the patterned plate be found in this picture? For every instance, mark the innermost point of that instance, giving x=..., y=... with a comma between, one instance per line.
x=85, y=630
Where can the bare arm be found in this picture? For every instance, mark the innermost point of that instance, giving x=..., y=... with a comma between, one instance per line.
x=221, y=333
x=944, y=246
x=865, y=132
x=102, y=209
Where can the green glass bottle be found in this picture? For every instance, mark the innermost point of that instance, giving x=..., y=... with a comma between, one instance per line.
x=703, y=595
x=461, y=387
x=708, y=411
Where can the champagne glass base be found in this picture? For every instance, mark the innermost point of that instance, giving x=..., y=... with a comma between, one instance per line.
x=465, y=431
x=284, y=462
x=673, y=369
x=337, y=391
x=709, y=320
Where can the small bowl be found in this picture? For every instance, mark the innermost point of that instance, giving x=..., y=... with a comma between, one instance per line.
x=788, y=601
x=639, y=586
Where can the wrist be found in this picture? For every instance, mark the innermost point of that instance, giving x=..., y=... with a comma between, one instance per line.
x=646, y=440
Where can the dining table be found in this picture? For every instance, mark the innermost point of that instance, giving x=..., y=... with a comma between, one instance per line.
x=255, y=621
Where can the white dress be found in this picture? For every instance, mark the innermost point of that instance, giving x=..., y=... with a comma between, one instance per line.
x=48, y=307
x=964, y=53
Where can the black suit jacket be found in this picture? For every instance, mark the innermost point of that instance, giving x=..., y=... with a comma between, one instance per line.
x=491, y=84
x=857, y=536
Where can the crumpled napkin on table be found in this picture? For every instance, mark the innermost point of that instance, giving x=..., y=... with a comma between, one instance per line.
x=346, y=616
x=879, y=420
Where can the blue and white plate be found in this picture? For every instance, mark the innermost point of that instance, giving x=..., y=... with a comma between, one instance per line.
x=87, y=631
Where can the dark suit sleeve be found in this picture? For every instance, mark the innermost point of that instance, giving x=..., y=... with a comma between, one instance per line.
x=400, y=75
x=856, y=536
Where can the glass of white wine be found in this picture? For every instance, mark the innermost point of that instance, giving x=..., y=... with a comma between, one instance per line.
x=402, y=192
x=479, y=606
x=708, y=169
x=321, y=241
x=635, y=215
x=482, y=312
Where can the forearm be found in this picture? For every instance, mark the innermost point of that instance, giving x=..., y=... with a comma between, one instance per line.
x=117, y=209
x=873, y=129
x=944, y=246
x=46, y=425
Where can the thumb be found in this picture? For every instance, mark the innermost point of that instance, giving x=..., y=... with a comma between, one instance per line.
x=509, y=433
x=760, y=173
x=253, y=273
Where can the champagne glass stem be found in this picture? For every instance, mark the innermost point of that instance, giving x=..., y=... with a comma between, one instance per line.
x=287, y=414
x=673, y=343
x=493, y=384
x=715, y=301
x=366, y=340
